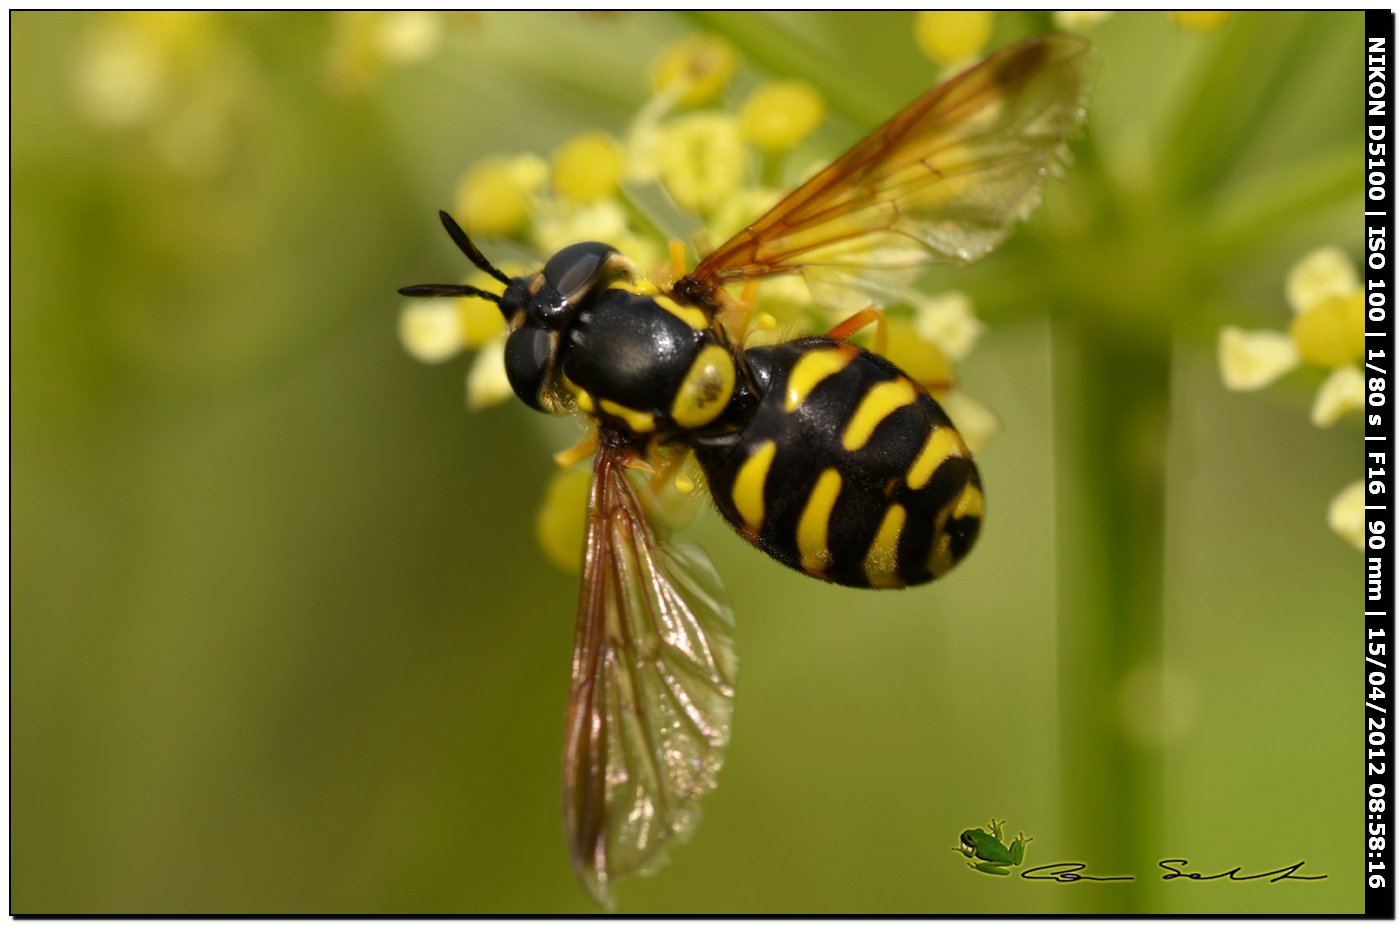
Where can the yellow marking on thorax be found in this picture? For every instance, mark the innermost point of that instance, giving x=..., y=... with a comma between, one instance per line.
x=882, y=559
x=706, y=389
x=636, y=287
x=808, y=372
x=942, y=443
x=640, y=422
x=581, y=395
x=879, y=403
x=693, y=317
x=813, y=524
x=747, y=490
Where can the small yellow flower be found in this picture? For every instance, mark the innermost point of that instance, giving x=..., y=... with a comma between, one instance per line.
x=487, y=383
x=408, y=36
x=941, y=333
x=1200, y=21
x=559, y=224
x=429, y=330
x=781, y=312
x=178, y=73
x=952, y=36
x=588, y=167
x=977, y=423
x=1328, y=330
x=675, y=503
x=365, y=42
x=1250, y=360
x=1331, y=331
x=922, y=358
x=695, y=70
x=433, y=330
x=559, y=523
x=702, y=160
x=1079, y=20
x=494, y=196
x=1329, y=323
x=1346, y=515
x=781, y=113
x=479, y=321
x=174, y=33
x=119, y=81
x=948, y=321
x=1324, y=272
x=1342, y=392
x=736, y=212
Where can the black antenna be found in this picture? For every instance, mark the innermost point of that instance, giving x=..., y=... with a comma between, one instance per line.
x=435, y=289
x=459, y=237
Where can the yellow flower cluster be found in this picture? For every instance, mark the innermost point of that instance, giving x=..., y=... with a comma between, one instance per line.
x=1197, y=22
x=1327, y=331
x=185, y=80
x=178, y=78
x=366, y=42
x=954, y=37
x=703, y=149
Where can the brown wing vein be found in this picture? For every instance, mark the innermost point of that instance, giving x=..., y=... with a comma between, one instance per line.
x=979, y=146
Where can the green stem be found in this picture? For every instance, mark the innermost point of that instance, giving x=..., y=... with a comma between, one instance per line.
x=1110, y=397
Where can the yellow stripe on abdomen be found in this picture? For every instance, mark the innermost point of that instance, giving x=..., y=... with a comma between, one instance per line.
x=816, y=518
x=808, y=372
x=942, y=443
x=882, y=400
x=882, y=559
x=968, y=503
x=747, y=490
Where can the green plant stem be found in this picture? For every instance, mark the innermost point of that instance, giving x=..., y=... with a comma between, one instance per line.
x=1110, y=398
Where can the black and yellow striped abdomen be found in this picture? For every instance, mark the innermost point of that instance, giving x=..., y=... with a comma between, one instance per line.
x=847, y=470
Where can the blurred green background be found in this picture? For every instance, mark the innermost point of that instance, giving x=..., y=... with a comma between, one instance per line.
x=282, y=639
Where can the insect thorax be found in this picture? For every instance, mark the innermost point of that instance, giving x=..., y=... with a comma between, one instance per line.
x=651, y=365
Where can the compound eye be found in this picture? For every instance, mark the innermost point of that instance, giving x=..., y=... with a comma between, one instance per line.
x=579, y=267
x=527, y=361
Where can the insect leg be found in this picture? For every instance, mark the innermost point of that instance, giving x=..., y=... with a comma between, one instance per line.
x=869, y=314
x=581, y=450
x=671, y=468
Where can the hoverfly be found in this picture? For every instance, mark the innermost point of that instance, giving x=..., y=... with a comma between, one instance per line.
x=821, y=454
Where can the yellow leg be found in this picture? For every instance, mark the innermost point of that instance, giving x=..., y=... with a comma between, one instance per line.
x=640, y=465
x=670, y=469
x=937, y=387
x=740, y=316
x=860, y=319
x=579, y=451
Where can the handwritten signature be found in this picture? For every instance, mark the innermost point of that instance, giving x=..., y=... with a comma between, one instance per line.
x=1176, y=869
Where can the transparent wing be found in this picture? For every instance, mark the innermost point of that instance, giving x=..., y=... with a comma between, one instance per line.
x=943, y=181
x=652, y=694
